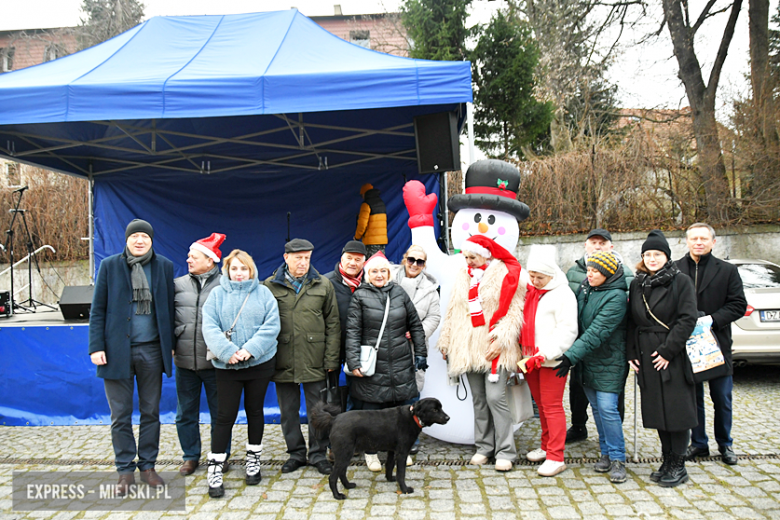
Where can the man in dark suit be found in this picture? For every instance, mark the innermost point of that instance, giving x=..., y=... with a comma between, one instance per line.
x=131, y=341
x=720, y=295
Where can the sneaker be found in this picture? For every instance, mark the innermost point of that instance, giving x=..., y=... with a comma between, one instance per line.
x=372, y=462
x=409, y=461
x=537, y=455
x=603, y=465
x=478, y=460
x=503, y=465
x=550, y=468
x=617, y=472
x=576, y=433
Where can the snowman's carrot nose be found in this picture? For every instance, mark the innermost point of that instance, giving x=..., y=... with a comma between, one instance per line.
x=482, y=227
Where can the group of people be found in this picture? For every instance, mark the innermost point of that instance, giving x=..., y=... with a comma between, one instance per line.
x=233, y=334
x=596, y=326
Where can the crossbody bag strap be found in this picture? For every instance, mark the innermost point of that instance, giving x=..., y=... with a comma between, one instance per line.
x=230, y=330
x=384, y=322
x=651, y=313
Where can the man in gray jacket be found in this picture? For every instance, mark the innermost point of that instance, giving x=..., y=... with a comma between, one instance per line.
x=193, y=370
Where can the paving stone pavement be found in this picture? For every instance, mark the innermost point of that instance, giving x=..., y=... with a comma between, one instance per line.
x=446, y=487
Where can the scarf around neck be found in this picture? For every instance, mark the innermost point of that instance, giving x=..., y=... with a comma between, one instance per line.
x=475, y=302
x=528, y=332
x=142, y=295
x=353, y=282
x=297, y=283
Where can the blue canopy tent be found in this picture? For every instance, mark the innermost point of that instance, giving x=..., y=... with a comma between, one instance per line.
x=248, y=125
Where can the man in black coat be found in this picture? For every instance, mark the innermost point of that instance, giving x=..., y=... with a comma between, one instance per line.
x=131, y=342
x=345, y=278
x=720, y=295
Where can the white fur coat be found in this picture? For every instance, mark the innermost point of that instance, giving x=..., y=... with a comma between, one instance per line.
x=465, y=345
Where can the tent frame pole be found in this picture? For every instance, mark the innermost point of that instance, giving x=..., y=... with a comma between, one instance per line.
x=90, y=188
x=445, y=220
x=470, y=120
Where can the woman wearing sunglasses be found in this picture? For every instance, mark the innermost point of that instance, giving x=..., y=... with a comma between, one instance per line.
x=422, y=289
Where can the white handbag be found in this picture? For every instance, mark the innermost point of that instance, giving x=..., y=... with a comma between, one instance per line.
x=368, y=353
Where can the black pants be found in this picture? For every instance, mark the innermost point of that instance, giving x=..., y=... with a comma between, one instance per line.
x=253, y=382
x=675, y=442
x=578, y=403
x=147, y=369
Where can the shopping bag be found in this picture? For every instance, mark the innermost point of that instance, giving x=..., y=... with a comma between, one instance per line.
x=518, y=397
x=707, y=361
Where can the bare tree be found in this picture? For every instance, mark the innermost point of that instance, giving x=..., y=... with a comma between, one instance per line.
x=577, y=40
x=701, y=96
x=108, y=18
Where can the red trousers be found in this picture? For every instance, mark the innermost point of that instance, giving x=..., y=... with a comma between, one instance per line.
x=547, y=391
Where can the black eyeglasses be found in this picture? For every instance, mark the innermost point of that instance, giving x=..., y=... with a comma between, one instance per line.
x=419, y=261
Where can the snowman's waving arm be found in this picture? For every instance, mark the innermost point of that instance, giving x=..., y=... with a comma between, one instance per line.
x=420, y=207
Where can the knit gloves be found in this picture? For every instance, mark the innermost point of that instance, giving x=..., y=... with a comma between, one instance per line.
x=563, y=367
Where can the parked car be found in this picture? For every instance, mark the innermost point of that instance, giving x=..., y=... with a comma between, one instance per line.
x=757, y=334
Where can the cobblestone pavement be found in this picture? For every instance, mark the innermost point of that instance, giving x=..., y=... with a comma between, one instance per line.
x=446, y=487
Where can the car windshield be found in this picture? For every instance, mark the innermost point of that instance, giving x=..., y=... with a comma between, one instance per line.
x=756, y=276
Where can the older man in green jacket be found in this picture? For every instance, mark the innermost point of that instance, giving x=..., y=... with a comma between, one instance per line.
x=309, y=343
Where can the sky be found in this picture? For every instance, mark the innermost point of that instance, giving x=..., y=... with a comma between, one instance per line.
x=646, y=75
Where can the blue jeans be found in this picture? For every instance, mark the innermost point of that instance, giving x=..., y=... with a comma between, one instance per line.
x=720, y=392
x=188, y=392
x=608, y=424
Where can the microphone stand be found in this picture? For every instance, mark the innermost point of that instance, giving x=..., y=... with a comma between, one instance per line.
x=31, y=302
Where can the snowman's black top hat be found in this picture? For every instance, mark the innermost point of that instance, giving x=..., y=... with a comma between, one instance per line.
x=491, y=184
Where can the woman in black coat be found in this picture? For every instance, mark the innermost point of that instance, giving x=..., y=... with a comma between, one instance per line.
x=662, y=315
x=393, y=383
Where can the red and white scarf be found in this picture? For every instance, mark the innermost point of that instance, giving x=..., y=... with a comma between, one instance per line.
x=353, y=282
x=475, y=302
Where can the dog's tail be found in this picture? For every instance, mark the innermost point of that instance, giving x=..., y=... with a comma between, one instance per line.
x=322, y=416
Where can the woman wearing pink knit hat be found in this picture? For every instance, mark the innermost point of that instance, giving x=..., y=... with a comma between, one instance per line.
x=479, y=339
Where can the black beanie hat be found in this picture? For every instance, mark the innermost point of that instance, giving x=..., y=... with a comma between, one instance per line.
x=656, y=241
x=139, y=226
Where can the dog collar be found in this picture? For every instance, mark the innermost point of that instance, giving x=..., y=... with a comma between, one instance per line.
x=416, y=419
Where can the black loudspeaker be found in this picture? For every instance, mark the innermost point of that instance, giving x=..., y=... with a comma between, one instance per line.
x=5, y=303
x=75, y=302
x=436, y=137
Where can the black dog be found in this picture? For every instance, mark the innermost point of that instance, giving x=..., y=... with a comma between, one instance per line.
x=393, y=430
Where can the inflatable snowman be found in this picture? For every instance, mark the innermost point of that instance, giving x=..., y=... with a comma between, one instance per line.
x=490, y=208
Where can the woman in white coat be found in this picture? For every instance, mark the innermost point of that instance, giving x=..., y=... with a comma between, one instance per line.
x=549, y=330
x=422, y=289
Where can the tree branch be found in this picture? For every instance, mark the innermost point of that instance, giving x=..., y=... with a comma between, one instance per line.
x=723, y=50
x=706, y=14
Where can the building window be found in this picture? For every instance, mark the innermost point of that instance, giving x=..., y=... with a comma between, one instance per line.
x=6, y=59
x=362, y=38
x=13, y=175
x=51, y=53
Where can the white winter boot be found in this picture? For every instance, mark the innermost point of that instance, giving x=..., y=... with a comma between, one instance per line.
x=216, y=489
x=253, y=452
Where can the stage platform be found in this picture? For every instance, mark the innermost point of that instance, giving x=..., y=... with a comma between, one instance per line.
x=47, y=378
